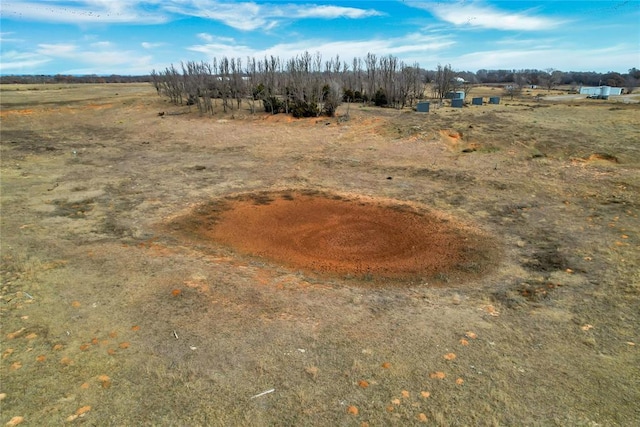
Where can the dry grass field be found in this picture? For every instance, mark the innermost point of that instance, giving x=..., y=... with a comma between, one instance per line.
x=133, y=291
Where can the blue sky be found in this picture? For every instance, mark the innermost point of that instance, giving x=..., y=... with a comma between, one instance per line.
x=136, y=36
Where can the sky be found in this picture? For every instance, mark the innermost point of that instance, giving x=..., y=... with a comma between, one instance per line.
x=134, y=37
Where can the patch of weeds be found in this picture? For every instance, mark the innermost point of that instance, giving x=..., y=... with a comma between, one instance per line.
x=509, y=298
x=488, y=149
x=498, y=185
x=455, y=176
x=400, y=208
x=441, y=277
x=537, y=154
x=73, y=210
x=603, y=156
x=457, y=200
x=367, y=277
x=205, y=215
x=310, y=192
x=111, y=226
x=536, y=291
x=262, y=198
x=524, y=293
x=546, y=258
x=512, y=211
x=470, y=267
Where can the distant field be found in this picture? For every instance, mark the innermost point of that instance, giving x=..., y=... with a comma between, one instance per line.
x=133, y=291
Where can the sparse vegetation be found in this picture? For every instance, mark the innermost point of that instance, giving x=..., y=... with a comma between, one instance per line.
x=114, y=314
x=303, y=86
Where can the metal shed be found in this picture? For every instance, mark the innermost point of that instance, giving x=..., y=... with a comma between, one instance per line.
x=458, y=94
x=422, y=107
x=598, y=91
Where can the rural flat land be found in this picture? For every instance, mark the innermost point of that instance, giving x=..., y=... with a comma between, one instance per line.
x=475, y=266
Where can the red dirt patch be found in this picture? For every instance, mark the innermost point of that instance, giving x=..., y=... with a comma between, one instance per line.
x=336, y=236
x=25, y=112
x=602, y=157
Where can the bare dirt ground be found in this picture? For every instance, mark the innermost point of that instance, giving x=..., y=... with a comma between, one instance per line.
x=129, y=299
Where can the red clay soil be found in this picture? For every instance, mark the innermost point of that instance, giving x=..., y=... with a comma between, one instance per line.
x=335, y=236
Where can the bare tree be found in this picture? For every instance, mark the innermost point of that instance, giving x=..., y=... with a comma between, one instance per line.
x=467, y=85
x=251, y=73
x=630, y=83
x=520, y=80
x=410, y=86
x=156, y=80
x=332, y=97
x=224, y=81
x=173, y=87
x=236, y=83
x=190, y=77
x=358, y=85
x=269, y=70
x=303, y=86
x=550, y=78
x=442, y=82
x=512, y=90
x=388, y=70
x=371, y=62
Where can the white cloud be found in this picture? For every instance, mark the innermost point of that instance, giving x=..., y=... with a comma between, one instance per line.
x=242, y=16
x=245, y=16
x=331, y=12
x=478, y=15
x=4, y=37
x=410, y=48
x=20, y=62
x=83, y=11
x=149, y=45
x=58, y=49
x=429, y=50
x=560, y=58
x=205, y=36
x=96, y=58
x=101, y=45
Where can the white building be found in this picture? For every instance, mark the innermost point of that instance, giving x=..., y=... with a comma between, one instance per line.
x=597, y=91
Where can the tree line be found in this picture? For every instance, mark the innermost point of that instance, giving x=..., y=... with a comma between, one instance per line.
x=305, y=86
x=556, y=77
x=71, y=79
x=308, y=85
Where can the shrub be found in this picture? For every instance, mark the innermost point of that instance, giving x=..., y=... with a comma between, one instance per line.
x=258, y=92
x=380, y=98
x=273, y=105
x=304, y=109
x=331, y=97
x=350, y=95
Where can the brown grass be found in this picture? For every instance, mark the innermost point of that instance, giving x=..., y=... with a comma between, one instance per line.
x=92, y=182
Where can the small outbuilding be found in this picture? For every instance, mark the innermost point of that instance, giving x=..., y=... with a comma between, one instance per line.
x=600, y=91
x=458, y=94
x=422, y=107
